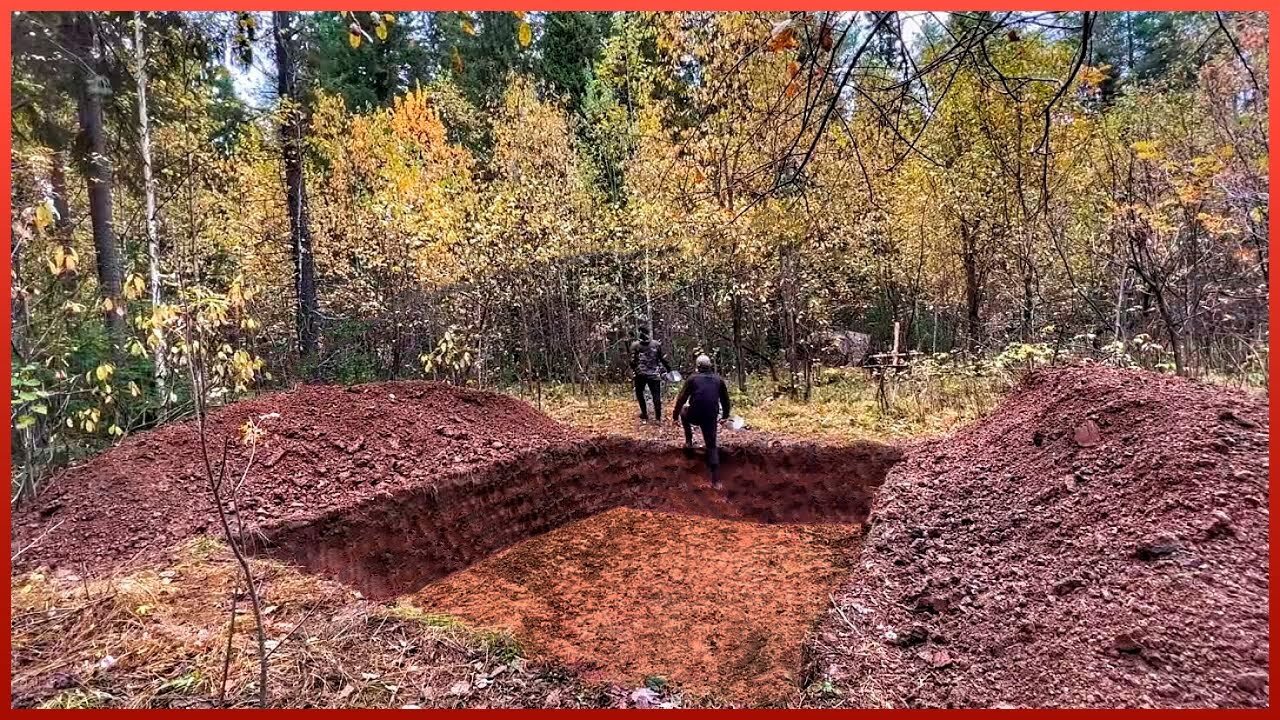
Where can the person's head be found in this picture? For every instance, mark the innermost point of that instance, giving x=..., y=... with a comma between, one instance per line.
x=643, y=331
x=704, y=363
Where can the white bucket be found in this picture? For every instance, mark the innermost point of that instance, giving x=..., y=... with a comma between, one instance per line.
x=672, y=376
x=737, y=423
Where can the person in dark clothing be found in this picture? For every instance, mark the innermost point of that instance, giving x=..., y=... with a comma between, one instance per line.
x=707, y=396
x=648, y=362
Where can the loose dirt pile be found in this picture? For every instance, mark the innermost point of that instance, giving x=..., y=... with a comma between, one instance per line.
x=716, y=607
x=328, y=448
x=1099, y=540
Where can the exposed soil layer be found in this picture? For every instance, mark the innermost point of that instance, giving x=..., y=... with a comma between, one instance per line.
x=716, y=607
x=329, y=448
x=1099, y=540
x=395, y=543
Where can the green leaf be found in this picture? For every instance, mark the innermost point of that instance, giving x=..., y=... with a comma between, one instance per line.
x=25, y=421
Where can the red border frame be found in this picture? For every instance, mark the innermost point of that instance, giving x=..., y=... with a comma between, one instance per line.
x=655, y=5
x=659, y=5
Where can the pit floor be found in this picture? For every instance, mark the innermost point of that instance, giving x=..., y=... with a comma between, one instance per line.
x=717, y=607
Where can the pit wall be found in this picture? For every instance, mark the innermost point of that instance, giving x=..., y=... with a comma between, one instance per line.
x=395, y=544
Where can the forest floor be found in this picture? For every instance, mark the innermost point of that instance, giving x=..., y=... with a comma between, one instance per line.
x=842, y=406
x=1090, y=529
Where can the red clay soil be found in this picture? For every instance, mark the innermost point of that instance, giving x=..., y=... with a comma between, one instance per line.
x=716, y=607
x=1099, y=540
x=396, y=543
x=329, y=448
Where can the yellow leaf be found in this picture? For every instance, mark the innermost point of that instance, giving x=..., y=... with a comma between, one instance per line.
x=1093, y=76
x=108, y=305
x=143, y=610
x=55, y=262
x=468, y=27
x=381, y=31
x=1147, y=150
x=44, y=215
x=524, y=34
x=388, y=18
x=103, y=372
x=518, y=13
x=134, y=287
x=354, y=39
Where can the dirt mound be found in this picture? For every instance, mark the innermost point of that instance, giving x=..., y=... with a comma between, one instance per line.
x=328, y=448
x=712, y=606
x=1099, y=540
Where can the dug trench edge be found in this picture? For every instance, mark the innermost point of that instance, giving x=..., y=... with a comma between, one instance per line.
x=396, y=543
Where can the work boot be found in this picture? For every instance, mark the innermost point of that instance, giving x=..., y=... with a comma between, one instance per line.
x=715, y=478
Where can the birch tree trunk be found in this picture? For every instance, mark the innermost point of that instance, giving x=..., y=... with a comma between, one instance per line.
x=149, y=191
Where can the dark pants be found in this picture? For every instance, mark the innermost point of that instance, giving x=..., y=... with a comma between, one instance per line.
x=655, y=389
x=708, y=428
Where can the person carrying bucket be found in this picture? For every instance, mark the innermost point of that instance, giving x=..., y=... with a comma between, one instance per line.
x=707, y=396
x=646, y=361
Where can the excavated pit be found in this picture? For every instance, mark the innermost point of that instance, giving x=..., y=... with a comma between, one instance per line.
x=616, y=557
x=396, y=543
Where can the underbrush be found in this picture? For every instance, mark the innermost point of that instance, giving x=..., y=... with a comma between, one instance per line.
x=157, y=637
x=844, y=404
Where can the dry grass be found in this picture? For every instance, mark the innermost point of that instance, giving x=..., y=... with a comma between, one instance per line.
x=156, y=638
x=843, y=406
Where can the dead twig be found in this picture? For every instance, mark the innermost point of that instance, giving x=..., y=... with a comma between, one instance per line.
x=231, y=633
x=14, y=558
x=295, y=629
